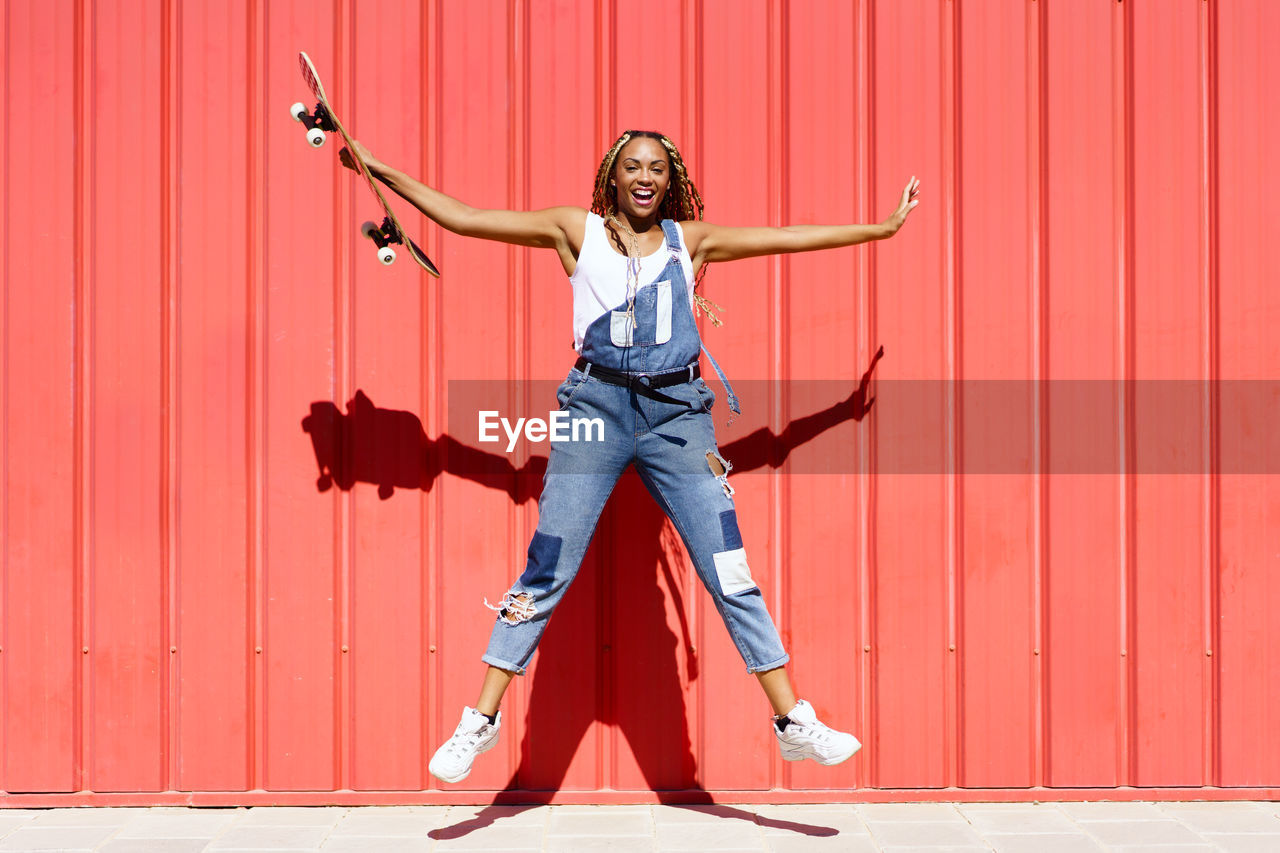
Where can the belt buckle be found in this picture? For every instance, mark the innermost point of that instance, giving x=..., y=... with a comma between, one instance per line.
x=642, y=379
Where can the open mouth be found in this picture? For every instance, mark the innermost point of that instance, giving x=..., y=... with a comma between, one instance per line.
x=643, y=197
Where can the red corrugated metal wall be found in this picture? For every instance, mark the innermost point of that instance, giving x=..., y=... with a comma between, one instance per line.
x=190, y=317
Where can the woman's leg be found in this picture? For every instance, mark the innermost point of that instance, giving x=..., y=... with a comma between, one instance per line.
x=568, y=511
x=495, y=684
x=777, y=687
x=683, y=470
x=581, y=474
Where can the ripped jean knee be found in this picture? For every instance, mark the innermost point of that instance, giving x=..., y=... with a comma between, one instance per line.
x=720, y=467
x=515, y=607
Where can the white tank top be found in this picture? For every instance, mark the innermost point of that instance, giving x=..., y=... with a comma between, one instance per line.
x=600, y=278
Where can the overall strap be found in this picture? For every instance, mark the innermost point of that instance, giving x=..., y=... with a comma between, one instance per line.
x=673, y=237
x=672, y=233
x=728, y=389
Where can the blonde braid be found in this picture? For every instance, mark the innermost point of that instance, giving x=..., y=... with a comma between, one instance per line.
x=689, y=206
x=601, y=202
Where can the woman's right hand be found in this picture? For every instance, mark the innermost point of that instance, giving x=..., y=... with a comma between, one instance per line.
x=350, y=162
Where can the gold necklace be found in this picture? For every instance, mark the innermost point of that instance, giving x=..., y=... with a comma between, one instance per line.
x=633, y=271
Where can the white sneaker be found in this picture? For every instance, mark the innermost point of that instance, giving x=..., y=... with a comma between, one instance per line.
x=806, y=737
x=474, y=735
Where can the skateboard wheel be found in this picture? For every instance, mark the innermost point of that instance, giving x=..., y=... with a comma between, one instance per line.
x=315, y=137
x=386, y=255
x=368, y=229
x=298, y=110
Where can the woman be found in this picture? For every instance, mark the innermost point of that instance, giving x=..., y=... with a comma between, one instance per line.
x=633, y=261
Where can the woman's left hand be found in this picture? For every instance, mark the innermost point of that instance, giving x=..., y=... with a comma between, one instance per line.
x=910, y=198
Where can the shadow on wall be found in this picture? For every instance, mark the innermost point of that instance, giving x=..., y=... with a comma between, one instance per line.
x=389, y=448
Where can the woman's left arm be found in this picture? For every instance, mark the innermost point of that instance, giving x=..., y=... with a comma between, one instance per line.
x=715, y=243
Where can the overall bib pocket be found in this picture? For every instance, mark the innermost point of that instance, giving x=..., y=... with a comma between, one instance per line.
x=652, y=315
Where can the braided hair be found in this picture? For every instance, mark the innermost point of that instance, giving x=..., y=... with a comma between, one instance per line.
x=682, y=200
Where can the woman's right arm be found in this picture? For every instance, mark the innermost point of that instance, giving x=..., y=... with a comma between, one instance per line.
x=557, y=228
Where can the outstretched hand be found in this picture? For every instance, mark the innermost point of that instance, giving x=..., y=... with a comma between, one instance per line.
x=910, y=198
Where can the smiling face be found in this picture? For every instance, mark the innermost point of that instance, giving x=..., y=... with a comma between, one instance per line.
x=641, y=175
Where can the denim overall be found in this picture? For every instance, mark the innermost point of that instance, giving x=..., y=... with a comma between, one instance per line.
x=672, y=444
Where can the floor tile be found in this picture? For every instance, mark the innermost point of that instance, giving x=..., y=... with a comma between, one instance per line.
x=1112, y=811
x=911, y=812
x=376, y=844
x=1168, y=848
x=12, y=819
x=600, y=823
x=946, y=848
x=709, y=836
x=86, y=817
x=923, y=834
x=1223, y=817
x=292, y=816
x=780, y=821
x=377, y=822
x=1133, y=833
x=702, y=814
x=614, y=844
x=64, y=839
x=832, y=844
x=241, y=837
x=1025, y=818
x=154, y=845
x=495, y=837
x=192, y=823
x=1045, y=843
x=1245, y=843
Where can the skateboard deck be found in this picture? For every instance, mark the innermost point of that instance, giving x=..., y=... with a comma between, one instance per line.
x=323, y=119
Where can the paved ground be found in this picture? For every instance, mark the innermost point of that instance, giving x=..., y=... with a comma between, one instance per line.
x=934, y=827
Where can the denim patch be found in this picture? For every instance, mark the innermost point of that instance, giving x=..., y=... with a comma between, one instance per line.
x=544, y=553
x=733, y=572
x=729, y=529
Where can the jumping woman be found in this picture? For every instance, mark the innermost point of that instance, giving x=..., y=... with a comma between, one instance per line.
x=633, y=261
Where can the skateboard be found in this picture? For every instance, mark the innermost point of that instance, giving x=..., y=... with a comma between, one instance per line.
x=324, y=120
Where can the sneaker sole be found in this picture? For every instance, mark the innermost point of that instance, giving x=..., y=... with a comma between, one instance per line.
x=801, y=755
x=455, y=779
x=451, y=779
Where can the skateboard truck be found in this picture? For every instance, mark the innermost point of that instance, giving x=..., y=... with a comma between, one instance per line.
x=316, y=122
x=382, y=235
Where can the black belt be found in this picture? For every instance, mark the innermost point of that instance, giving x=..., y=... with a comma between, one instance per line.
x=643, y=384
